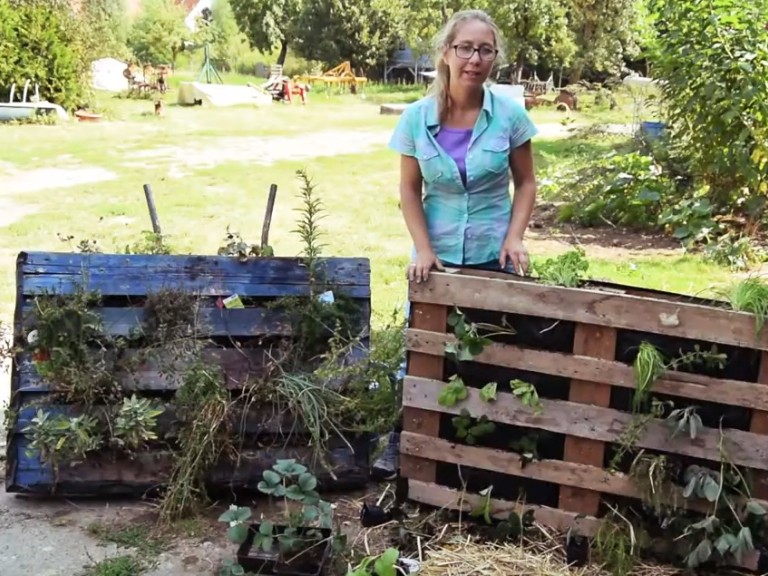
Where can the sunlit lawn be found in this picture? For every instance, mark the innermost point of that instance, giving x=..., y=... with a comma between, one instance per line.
x=197, y=202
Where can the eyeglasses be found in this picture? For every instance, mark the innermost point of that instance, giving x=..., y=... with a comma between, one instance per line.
x=466, y=51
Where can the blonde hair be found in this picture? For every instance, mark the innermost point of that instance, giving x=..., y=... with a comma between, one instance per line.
x=441, y=84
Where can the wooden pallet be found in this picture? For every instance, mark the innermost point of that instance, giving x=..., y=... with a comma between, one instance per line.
x=241, y=342
x=576, y=346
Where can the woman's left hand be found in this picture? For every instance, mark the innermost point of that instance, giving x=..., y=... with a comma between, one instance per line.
x=513, y=252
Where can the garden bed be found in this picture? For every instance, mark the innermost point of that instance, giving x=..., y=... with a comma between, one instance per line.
x=597, y=407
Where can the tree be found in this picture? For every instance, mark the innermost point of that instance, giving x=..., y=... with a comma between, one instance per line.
x=157, y=34
x=107, y=23
x=43, y=41
x=534, y=31
x=711, y=59
x=361, y=31
x=604, y=31
x=268, y=23
x=425, y=20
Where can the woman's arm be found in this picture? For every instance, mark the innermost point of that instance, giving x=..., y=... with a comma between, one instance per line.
x=411, y=203
x=413, y=212
x=513, y=250
x=521, y=163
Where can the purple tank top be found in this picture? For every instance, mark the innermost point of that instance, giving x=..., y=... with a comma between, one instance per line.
x=455, y=142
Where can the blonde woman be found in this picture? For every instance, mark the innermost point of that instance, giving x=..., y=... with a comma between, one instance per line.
x=458, y=147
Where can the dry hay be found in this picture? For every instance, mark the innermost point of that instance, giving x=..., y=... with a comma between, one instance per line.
x=465, y=557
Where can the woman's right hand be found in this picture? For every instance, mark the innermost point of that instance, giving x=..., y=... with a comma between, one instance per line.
x=418, y=270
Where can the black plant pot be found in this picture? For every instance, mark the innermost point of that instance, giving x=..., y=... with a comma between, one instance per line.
x=310, y=562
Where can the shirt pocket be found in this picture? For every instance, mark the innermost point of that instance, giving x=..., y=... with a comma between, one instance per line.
x=429, y=161
x=495, y=154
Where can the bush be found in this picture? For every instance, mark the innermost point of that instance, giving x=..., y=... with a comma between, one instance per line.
x=712, y=61
x=42, y=41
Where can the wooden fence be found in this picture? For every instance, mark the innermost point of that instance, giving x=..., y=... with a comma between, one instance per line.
x=575, y=348
x=242, y=342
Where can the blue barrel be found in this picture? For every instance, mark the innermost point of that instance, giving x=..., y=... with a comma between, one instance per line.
x=652, y=130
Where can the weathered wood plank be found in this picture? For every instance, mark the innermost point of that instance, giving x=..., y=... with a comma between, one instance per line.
x=239, y=365
x=443, y=497
x=277, y=270
x=210, y=321
x=140, y=284
x=584, y=476
x=273, y=423
x=601, y=371
x=593, y=422
x=108, y=474
x=596, y=342
x=701, y=323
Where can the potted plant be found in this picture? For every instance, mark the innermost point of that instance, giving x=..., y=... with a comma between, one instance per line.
x=302, y=544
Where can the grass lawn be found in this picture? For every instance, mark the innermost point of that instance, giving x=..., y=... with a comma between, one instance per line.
x=211, y=168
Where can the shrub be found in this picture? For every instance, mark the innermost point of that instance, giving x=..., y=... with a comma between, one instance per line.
x=42, y=41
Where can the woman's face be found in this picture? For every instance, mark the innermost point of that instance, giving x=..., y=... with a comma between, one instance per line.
x=472, y=53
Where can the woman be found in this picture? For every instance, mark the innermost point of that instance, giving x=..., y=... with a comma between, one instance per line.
x=459, y=144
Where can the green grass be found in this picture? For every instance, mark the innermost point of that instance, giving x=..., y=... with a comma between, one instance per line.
x=118, y=566
x=197, y=202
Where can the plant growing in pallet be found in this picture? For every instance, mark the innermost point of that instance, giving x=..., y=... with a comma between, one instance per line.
x=527, y=394
x=469, y=341
x=567, y=269
x=296, y=545
x=471, y=432
x=386, y=564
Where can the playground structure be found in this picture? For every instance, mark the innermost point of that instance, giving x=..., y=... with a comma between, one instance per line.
x=341, y=76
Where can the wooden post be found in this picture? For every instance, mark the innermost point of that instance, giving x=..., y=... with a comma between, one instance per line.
x=759, y=425
x=597, y=342
x=152, y=210
x=268, y=216
x=431, y=317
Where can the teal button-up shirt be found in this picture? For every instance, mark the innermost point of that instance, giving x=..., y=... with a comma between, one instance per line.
x=467, y=224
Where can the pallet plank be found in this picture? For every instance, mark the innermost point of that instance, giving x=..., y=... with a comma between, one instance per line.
x=210, y=322
x=106, y=474
x=277, y=270
x=602, y=308
x=600, y=371
x=239, y=366
x=593, y=422
x=556, y=471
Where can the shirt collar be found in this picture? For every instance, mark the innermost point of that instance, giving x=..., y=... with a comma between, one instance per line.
x=433, y=118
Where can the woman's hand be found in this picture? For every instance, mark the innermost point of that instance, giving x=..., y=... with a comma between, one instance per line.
x=513, y=252
x=418, y=270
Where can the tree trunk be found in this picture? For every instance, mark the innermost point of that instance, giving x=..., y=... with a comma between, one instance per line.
x=283, y=52
x=519, y=64
x=574, y=74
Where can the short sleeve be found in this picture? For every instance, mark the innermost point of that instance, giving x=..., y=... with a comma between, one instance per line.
x=522, y=127
x=402, y=139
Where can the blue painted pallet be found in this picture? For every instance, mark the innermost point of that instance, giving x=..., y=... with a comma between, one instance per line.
x=123, y=281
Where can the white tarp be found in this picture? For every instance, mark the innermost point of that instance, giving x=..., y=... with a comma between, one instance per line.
x=221, y=94
x=514, y=92
x=107, y=74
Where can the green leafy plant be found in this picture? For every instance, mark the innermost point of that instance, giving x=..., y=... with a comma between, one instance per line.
x=453, y=392
x=136, y=422
x=567, y=269
x=236, y=517
x=527, y=395
x=469, y=342
x=303, y=508
x=383, y=565
x=681, y=419
x=470, y=431
x=60, y=438
x=234, y=245
x=750, y=295
x=483, y=508
x=488, y=392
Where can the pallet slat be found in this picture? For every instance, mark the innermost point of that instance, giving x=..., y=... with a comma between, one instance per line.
x=600, y=371
x=592, y=422
x=610, y=309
